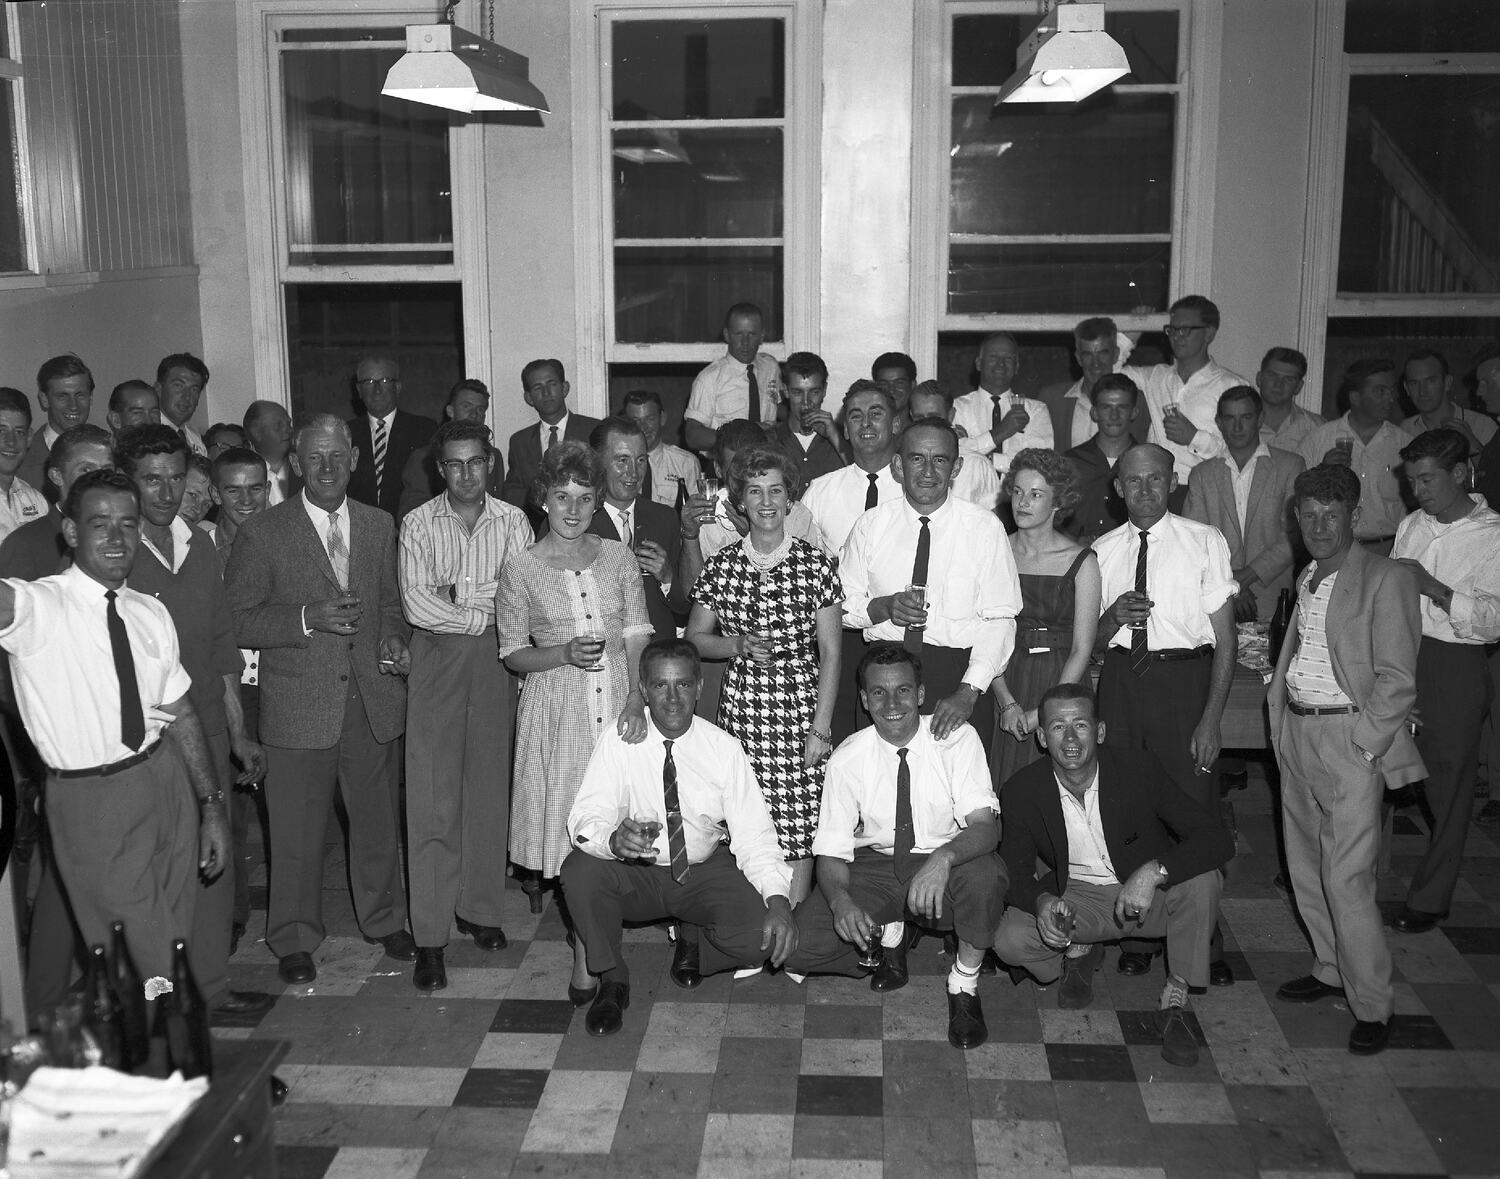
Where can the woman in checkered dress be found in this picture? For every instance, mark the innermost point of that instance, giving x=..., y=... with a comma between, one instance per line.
x=775, y=602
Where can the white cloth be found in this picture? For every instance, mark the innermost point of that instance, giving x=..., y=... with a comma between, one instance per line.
x=1088, y=850
x=975, y=412
x=1197, y=399
x=437, y=550
x=1082, y=427
x=973, y=592
x=978, y=482
x=22, y=504
x=1298, y=425
x=721, y=391
x=837, y=499
x=63, y=667
x=1309, y=676
x=1240, y=479
x=1465, y=556
x=950, y=780
x=669, y=464
x=1188, y=577
x=1376, y=463
x=278, y=483
x=716, y=790
x=544, y=431
x=182, y=537
x=1481, y=425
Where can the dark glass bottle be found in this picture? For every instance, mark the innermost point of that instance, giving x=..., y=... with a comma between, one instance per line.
x=182, y=1018
x=1280, y=621
x=101, y=1010
x=135, y=1034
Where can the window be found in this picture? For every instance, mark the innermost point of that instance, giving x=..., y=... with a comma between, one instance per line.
x=15, y=246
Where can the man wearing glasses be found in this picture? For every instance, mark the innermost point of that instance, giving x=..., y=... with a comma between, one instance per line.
x=1183, y=397
x=384, y=435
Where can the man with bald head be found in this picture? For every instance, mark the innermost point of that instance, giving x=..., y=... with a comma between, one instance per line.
x=269, y=428
x=1170, y=636
x=994, y=421
x=385, y=434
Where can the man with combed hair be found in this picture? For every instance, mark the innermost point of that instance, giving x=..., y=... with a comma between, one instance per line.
x=674, y=472
x=384, y=433
x=975, y=482
x=269, y=428
x=810, y=436
x=468, y=401
x=133, y=403
x=896, y=373
x=1429, y=385
x=180, y=381
x=1096, y=350
x=65, y=393
x=1279, y=379
x=545, y=388
x=742, y=385
x=1115, y=408
x=995, y=423
x=1339, y=700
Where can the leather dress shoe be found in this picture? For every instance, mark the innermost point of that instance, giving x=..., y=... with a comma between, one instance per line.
x=1307, y=989
x=891, y=974
x=278, y=1092
x=486, y=937
x=607, y=1014
x=1369, y=1036
x=1220, y=974
x=399, y=945
x=1135, y=961
x=1178, y=1044
x=243, y=1003
x=297, y=967
x=1077, y=989
x=236, y=931
x=966, y=1026
x=684, y=970
x=1415, y=921
x=430, y=974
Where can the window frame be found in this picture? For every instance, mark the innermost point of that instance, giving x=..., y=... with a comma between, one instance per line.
x=13, y=75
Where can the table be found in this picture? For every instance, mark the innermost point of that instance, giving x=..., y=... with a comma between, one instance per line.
x=1244, y=725
x=228, y=1134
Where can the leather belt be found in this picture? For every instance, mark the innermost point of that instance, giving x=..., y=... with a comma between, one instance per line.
x=1173, y=654
x=1324, y=710
x=113, y=767
x=1374, y=540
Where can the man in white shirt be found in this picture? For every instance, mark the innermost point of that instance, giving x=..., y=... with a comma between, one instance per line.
x=20, y=502
x=180, y=381
x=1452, y=546
x=744, y=384
x=545, y=388
x=1279, y=379
x=65, y=393
x=907, y=832
x=1182, y=397
x=269, y=428
x=674, y=472
x=1429, y=384
x=995, y=423
x=1170, y=636
x=674, y=826
x=1096, y=349
x=936, y=572
x=975, y=482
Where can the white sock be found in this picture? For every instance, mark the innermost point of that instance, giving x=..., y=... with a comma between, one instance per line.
x=799, y=979
x=747, y=972
x=892, y=933
x=961, y=979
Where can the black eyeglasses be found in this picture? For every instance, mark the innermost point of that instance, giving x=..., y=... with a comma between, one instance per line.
x=378, y=382
x=1183, y=330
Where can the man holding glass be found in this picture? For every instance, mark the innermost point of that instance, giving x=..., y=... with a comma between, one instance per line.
x=810, y=436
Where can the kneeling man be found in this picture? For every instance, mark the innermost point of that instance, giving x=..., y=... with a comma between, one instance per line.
x=1126, y=853
x=907, y=833
x=674, y=826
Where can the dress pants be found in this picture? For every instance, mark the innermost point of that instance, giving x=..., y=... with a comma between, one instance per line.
x=460, y=720
x=299, y=789
x=1453, y=694
x=942, y=672
x=208, y=943
x=972, y=905
x=848, y=713
x=127, y=849
x=242, y=806
x=1330, y=809
x=716, y=898
x=1184, y=912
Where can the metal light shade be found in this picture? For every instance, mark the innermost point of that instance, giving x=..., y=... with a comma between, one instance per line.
x=460, y=71
x=1067, y=57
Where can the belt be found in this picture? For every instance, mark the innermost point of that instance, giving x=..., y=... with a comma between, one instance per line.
x=1043, y=638
x=1370, y=540
x=1326, y=710
x=113, y=767
x=1169, y=654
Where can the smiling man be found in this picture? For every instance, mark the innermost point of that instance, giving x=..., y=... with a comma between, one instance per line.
x=65, y=393
x=1096, y=351
x=744, y=383
x=674, y=471
x=133, y=403
x=20, y=502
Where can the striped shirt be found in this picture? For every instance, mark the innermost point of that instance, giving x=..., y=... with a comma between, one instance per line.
x=1309, y=678
x=448, y=574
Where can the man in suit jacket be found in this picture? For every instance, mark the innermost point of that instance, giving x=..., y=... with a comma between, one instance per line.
x=385, y=435
x=312, y=583
x=1339, y=701
x=1246, y=493
x=545, y=388
x=629, y=514
x=809, y=435
x=65, y=393
x=1100, y=509
x=1096, y=349
x=468, y=401
x=1124, y=851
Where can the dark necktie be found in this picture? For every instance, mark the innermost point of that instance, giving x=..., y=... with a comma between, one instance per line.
x=132, y=717
x=872, y=493
x=682, y=495
x=997, y=415
x=648, y=487
x=912, y=640
x=906, y=833
x=551, y=437
x=754, y=413
x=676, y=840
x=1140, y=654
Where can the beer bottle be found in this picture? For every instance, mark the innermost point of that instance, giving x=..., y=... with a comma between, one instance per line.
x=135, y=1034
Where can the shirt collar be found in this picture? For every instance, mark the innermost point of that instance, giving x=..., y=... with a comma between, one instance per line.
x=1261, y=451
x=1091, y=788
x=561, y=425
x=389, y=420
x=920, y=740
x=933, y=514
x=319, y=516
x=1007, y=392
x=76, y=581
x=444, y=508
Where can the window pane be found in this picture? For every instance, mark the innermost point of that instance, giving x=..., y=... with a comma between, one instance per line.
x=362, y=168
x=1421, y=26
x=1091, y=279
x=699, y=69
x=1421, y=205
x=664, y=294
x=984, y=47
x=1100, y=167
x=1457, y=338
x=12, y=224
x=697, y=183
x=392, y=33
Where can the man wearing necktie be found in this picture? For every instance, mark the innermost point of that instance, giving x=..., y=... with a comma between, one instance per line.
x=649, y=830
x=385, y=434
x=997, y=422
x=180, y=381
x=907, y=831
x=1171, y=642
x=744, y=383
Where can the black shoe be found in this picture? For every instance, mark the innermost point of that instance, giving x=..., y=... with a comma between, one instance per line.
x=278, y=1092
x=607, y=1015
x=684, y=970
x=430, y=974
x=1178, y=1045
x=1135, y=961
x=243, y=1003
x=1307, y=989
x=236, y=931
x=1077, y=990
x=486, y=937
x=578, y=996
x=989, y=964
x=1219, y=974
x=891, y=974
x=966, y=1027
x=297, y=968
x=1369, y=1036
x=1415, y=921
x=399, y=945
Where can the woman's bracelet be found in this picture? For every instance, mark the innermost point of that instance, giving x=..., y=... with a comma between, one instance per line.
x=1009, y=704
x=826, y=738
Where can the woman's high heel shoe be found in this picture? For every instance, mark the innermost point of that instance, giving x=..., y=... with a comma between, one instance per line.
x=579, y=996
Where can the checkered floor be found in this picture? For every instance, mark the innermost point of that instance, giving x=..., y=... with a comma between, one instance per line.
x=495, y=1076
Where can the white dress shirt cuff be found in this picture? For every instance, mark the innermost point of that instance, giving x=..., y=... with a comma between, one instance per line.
x=306, y=630
x=1206, y=444
x=593, y=836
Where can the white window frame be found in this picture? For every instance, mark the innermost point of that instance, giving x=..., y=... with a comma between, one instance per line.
x=266, y=214
x=1195, y=130
x=12, y=74
x=594, y=207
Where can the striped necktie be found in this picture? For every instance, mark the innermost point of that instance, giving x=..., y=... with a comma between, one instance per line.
x=338, y=551
x=676, y=839
x=380, y=441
